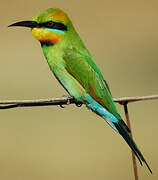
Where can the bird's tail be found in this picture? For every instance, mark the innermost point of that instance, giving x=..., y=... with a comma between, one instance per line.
x=117, y=125
x=123, y=132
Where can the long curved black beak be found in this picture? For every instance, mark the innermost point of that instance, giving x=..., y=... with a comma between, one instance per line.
x=30, y=24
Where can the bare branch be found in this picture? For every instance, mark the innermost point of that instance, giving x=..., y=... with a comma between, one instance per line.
x=50, y=100
x=7, y=104
x=134, y=99
x=133, y=155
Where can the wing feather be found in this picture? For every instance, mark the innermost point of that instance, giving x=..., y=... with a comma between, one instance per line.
x=81, y=65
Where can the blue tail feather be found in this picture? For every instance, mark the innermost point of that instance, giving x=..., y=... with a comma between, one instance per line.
x=101, y=111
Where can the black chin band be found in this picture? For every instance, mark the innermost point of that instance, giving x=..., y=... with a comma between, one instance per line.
x=46, y=43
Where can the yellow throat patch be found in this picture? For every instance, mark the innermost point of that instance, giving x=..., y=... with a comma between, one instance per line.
x=46, y=36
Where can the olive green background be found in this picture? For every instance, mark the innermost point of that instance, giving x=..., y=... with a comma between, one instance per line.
x=73, y=143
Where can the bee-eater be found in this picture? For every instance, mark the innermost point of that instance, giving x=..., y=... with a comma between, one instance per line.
x=75, y=68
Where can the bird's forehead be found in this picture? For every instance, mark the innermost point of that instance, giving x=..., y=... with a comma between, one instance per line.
x=51, y=14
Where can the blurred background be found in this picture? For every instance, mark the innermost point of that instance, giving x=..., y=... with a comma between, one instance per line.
x=73, y=143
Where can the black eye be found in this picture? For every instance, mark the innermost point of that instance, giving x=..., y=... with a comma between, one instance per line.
x=50, y=24
x=53, y=25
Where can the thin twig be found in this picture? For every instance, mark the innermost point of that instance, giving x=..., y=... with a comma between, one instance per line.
x=7, y=104
x=134, y=99
x=133, y=155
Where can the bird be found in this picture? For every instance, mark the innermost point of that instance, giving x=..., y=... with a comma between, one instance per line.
x=75, y=69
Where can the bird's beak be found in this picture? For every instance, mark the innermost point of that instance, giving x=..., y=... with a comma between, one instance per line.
x=30, y=24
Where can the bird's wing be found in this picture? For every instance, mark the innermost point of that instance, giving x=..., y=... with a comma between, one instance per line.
x=81, y=66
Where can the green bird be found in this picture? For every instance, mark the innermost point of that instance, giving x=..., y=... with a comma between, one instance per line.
x=75, y=69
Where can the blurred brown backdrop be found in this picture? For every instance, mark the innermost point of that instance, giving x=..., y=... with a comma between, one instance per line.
x=73, y=143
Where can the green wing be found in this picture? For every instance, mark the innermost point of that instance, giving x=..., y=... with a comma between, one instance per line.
x=80, y=64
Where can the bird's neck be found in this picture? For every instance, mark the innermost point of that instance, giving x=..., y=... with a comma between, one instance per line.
x=54, y=53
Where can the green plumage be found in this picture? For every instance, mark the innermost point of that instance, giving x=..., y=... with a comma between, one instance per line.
x=71, y=55
x=75, y=69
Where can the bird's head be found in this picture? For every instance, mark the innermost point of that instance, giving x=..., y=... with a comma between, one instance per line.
x=48, y=26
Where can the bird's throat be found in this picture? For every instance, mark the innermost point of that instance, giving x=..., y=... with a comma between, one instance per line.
x=45, y=36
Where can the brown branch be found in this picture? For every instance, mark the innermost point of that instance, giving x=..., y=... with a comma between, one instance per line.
x=134, y=99
x=133, y=155
x=7, y=104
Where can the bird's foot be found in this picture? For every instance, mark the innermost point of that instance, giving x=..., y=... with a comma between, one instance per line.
x=67, y=103
x=78, y=104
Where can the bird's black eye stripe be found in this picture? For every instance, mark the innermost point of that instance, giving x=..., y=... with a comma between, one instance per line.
x=60, y=26
x=54, y=25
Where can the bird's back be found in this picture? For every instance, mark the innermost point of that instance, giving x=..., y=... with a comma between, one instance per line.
x=81, y=65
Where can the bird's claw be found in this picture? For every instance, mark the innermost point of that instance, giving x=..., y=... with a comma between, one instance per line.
x=67, y=103
x=78, y=104
x=61, y=105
